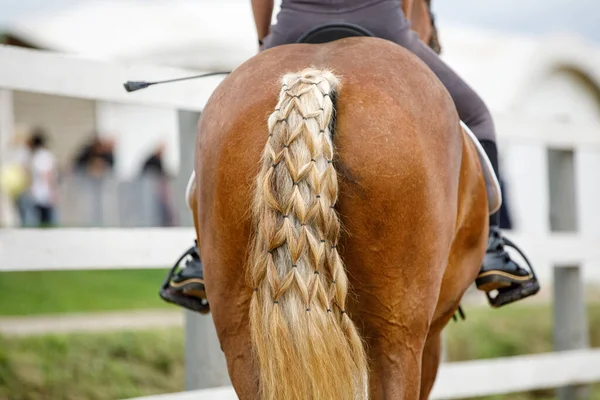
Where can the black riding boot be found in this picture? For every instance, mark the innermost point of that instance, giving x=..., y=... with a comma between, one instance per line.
x=499, y=272
x=184, y=285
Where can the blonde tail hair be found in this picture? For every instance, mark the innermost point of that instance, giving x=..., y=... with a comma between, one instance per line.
x=306, y=345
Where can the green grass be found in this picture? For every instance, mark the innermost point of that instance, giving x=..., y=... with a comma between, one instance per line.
x=91, y=366
x=129, y=364
x=29, y=293
x=509, y=331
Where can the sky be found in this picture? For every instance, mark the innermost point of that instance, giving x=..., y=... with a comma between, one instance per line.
x=579, y=17
x=520, y=16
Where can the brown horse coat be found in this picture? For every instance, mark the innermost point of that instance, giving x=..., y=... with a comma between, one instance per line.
x=411, y=203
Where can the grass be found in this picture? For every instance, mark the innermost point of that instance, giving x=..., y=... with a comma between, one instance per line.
x=509, y=331
x=91, y=366
x=129, y=364
x=29, y=293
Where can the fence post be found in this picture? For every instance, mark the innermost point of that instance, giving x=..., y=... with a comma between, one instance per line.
x=188, y=121
x=205, y=365
x=570, y=321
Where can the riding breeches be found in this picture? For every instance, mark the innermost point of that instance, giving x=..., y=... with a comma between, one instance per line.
x=386, y=20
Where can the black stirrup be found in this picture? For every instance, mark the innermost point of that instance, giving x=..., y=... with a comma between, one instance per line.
x=330, y=32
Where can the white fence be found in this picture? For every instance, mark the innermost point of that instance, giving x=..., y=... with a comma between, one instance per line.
x=536, y=177
x=460, y=380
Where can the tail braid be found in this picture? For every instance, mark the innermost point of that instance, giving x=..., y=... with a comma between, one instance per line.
x=306, y=345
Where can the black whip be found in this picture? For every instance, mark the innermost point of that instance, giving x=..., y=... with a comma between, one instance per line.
x=132, y=86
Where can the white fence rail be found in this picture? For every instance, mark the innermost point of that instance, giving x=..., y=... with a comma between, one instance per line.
x=532, y=182
x=467, y=379
x=106, y=248
x=91, y=248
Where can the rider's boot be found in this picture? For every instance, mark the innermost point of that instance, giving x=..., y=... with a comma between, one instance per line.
x=184, y=285
x=499, y=272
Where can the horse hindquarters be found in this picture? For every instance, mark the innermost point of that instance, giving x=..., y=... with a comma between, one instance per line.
x=398, y=173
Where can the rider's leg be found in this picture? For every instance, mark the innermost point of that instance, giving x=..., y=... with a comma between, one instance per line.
x=498, y=270
x=497, y=261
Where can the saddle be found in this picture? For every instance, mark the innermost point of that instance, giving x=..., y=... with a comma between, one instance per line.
x=331, y=32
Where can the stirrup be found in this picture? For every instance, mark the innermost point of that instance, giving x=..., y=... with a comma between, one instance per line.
x=516, y=291
x=177, y=296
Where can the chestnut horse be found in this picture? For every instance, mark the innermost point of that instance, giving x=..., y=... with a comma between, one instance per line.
x=342, y=216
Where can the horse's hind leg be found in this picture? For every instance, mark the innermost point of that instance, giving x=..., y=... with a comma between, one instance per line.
x=396, y=260
x=229, y=302
x=467, y=251
x=394, y=311
x=432, y=354
x=397, y=341
x=221, y=246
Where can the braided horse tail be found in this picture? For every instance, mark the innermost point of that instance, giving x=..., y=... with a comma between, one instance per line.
x=306, y=345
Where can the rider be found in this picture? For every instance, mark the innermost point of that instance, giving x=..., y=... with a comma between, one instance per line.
x=386, y=20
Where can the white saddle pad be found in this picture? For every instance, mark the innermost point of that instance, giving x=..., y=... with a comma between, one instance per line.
x=491, y=180
x=189, y=189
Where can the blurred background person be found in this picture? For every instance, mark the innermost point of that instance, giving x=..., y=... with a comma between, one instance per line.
x=154, y=169
x=96, y=158
x=15, y=179
x=44, y=178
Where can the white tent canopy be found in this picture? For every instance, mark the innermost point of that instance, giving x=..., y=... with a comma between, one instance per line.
x=190, y=33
